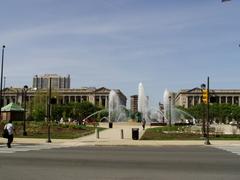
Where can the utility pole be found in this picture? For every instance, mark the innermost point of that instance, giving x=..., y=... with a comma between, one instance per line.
x=207, y=142
x=49, y=109
x=24, y=91
x=1, y=101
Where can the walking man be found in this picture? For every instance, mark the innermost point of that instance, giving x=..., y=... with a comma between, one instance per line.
x=10, y=128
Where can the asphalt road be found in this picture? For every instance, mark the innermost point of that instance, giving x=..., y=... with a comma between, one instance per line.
x=121, y=162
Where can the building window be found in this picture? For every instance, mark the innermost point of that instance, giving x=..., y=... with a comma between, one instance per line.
x=190, y=98
x=60, y=100
x=84, y=98
x=66, y=99
x=103, y=101
x=223, y=100
x=72, y=98
x=196, y=100
x=78, y=99
x=236, y=100
x=229, y=99
x=97, y=100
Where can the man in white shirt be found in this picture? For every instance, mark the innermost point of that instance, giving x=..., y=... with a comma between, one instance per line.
x=11, y=130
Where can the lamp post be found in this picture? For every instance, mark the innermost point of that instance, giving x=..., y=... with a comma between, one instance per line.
x=4, y=88
x=49, y=109
x=25, y=89
x=1, y=102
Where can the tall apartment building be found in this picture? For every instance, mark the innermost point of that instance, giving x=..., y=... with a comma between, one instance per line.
x=57, y=82
x=134, y=103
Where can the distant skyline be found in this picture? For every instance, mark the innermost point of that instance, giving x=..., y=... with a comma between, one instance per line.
x=117, y=44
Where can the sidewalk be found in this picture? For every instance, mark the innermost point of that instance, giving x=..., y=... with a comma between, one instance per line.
x=112, y=137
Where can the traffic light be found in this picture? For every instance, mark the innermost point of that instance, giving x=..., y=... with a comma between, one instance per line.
x=205, y=96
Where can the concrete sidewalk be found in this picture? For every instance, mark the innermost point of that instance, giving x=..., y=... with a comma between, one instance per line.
x=112, y=137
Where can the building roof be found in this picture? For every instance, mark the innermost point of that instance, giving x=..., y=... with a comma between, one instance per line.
x=12, y=107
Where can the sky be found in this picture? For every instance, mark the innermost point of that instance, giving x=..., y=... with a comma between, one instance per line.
x=165, y=44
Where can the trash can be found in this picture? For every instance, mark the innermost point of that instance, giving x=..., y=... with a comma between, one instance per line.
x=110, y=125
x=135, y=133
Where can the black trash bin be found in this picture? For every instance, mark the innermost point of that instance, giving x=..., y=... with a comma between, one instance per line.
x=110, y=125
x=135, y=133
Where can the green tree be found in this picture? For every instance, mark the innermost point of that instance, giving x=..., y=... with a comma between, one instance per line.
x=85, y=109
x=39, y=104
x=57, y=112
x=217, y=112
x=38, y=113
x=102, y=114
x=236, y=113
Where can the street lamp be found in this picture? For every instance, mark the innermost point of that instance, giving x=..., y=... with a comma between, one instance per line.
x=25, y=89
x=49, y=108
x=3, y=47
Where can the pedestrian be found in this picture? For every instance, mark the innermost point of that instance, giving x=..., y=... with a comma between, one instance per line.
x=143, y=123
x=11, y=130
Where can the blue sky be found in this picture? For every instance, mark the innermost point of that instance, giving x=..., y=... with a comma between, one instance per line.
x=173, y=44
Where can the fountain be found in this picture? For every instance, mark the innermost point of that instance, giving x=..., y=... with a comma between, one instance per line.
x=169, y=106
x=116, y=111
x=142, y=102
x=153, y=116
x=93, y=114
x=166, y=103
x=182, y=117
x=173, y=114
x=113, y=103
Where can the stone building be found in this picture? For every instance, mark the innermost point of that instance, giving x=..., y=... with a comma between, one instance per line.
x=97, y=96
x=191, y=97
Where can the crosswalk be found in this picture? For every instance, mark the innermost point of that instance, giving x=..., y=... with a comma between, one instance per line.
x=233, y=148
x=25, y=147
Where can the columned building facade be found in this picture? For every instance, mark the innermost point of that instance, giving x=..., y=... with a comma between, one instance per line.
x=192, y=97
x=97, y=96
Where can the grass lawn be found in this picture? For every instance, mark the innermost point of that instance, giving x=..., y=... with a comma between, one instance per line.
x=40, y=130
x=180, y=133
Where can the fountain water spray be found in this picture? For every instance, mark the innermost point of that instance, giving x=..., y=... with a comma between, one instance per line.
x=142, y=101
x=166, y=103
x=169, y=106
x=113, y=104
